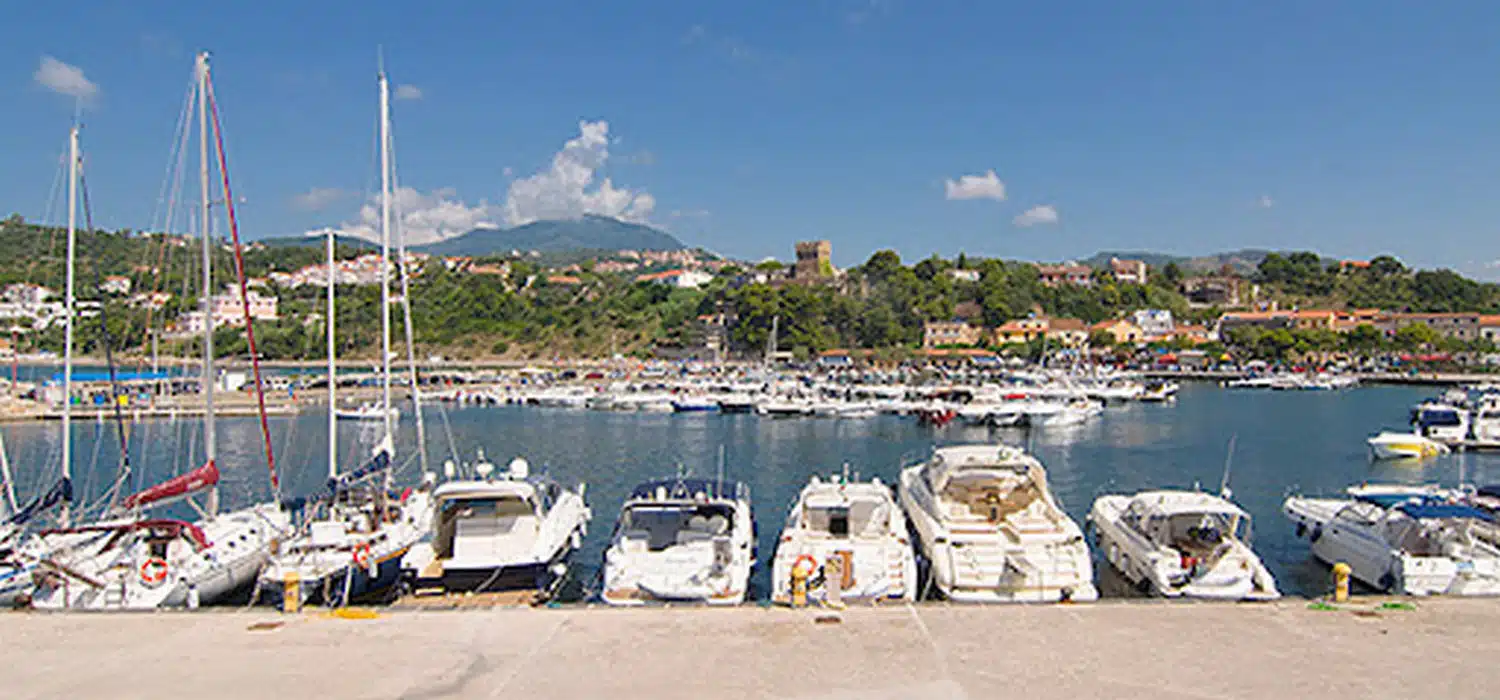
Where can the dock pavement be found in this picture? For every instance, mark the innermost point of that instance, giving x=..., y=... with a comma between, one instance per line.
x=1138, y=649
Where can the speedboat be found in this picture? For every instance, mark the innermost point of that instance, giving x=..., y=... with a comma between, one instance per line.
x=684, y=540
x=856, y=522
x=736, y=403
x=1158, y=392
x=783, y=408
x=1404, y=540
x=1181, y=544
x=1393, y=445
x=992, y=531
x=1076, y=412
x=694, y=404
x=514, y=531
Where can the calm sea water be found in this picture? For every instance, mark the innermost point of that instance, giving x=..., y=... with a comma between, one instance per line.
x=1309, y=442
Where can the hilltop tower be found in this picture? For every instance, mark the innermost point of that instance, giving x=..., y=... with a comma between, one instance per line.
x=814, y=260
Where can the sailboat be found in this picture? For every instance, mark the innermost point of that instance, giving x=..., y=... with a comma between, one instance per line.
x=357, y=533
x=130, y=558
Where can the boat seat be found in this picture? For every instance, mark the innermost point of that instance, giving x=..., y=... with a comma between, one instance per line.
x=718, y=525
x=691, y=536
x=636, y=541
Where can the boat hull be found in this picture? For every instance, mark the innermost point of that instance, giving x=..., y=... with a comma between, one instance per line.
x=339, y=587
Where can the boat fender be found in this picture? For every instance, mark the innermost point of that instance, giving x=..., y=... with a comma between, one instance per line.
x=1301, y=529
x=154, y=572
x=362, y=555
x=1317, y=534
x=1387, y=582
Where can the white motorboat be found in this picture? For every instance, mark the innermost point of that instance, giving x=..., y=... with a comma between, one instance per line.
x=367, y=411
x=857, y=522
x=1254, y=382
x=856, y=410
x=1485, y=419
x=783, y=408
x=1054, y=415
x=991, y=529
x=736, y=403
x=1393, y=445
x=513, y=531
x=696, y=403
x=687, y=540
x=1186, y=544
x=1440, y=420
x=1404, y=540
x=1158, y=392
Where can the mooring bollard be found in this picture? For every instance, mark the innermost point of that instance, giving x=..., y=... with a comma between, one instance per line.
x=291, y=592
x=799, y=587
x=1341, y=573
x=833, y=575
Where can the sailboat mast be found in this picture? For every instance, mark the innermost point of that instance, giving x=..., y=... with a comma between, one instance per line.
x=385, y=252
x=69, y=304
x=333, y=427
x=208, y=380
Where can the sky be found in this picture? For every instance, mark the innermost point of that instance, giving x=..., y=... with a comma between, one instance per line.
x=1041, y=131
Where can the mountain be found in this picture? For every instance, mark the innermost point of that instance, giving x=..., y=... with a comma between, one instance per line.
x=595, y=233
x=318, y=241
x=1242, y=261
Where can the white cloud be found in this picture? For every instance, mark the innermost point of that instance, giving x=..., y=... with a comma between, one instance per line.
x=1041, y=214
x=424, y=218
x=986, y=186
x=1265, y=202
x=566, y=190
x=408, y=92
x=318, y=198
x=65, y=79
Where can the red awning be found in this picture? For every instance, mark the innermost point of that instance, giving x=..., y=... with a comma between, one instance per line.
x=196, y=480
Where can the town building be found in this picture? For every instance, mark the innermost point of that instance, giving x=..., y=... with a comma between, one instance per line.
x=1461, y=326
x=1067, y=273
x=115, y=284
x=227, y=309
x=1128, y=271
x=681, y=279
x=1124, y=331
x=941, y=333
x=960, y=275
x=1223, y=290
x=1153, y=322
x=1021, y=330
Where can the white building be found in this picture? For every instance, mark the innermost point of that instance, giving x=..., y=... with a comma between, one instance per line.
x=964, y=275
x=227, y=310
x=681, y=279
x=116, y=284
x=1154, y=322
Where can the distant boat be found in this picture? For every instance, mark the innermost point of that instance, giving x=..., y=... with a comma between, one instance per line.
x=369, y=410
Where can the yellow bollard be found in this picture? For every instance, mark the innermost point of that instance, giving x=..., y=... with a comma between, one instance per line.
x=799, y=587
x=291, y=592
x=1341, y=573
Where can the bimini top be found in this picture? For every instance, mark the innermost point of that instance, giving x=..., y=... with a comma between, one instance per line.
x=499, y=488
x=685, y=489
x=1433, y=509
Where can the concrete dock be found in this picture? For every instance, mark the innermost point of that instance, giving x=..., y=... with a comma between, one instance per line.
x=1443, y=648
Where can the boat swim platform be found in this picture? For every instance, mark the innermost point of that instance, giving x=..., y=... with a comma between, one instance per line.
x=1134, y=649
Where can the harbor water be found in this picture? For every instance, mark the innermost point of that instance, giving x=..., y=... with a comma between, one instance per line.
x=1310, y=442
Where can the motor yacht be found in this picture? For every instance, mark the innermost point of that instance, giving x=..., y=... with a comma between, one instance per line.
x=1404, y=540
x=685, y=540
x=1186, y=544
x=857, y=522
x=992, y=531
x=1441, y=421
x=515, y=530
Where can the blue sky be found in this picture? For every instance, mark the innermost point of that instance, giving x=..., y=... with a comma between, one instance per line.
x=1353, y=128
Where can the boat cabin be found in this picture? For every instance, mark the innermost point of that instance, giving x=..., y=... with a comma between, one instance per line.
x=1194, y=524
x=985, y=482
x=489, y=519
x=841, y=511
x=659, y=515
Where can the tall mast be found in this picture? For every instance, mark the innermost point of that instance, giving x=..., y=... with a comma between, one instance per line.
x=385, y=254
x=333, y=427
x=69, y=303
x=209, y=378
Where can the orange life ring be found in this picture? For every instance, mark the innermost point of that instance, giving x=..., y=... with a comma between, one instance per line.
x=362, y=555
x=154, y=571
x=812, y=563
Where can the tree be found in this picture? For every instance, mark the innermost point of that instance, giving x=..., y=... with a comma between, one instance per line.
x=1364, y=338
x=1172, y=273
x=1101, y=339
x=1415, y=336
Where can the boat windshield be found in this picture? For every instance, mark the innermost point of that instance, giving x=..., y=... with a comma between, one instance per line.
x=662, y=526
x=858, y=518
x=497, y=507
x=1191, y=532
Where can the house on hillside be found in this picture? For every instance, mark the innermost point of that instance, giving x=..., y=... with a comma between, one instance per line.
x=940, y=333
x=1021, y=330
x=1153, y=322
x=1128, y=271
x=681, y=279
x=116, y=284
x=1067, y=273
x=1462, y=326
x=1223, y=290
x=959, y=275
x=1067, y=332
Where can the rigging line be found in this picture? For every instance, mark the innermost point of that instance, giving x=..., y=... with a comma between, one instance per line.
x=109, y=357
x=166, y=195
x=411, y=348
x=239, y=271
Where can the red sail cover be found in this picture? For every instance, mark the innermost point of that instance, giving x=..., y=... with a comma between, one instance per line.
x=196, y=480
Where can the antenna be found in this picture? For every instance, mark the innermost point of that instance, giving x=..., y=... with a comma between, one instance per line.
x=1228, y=462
